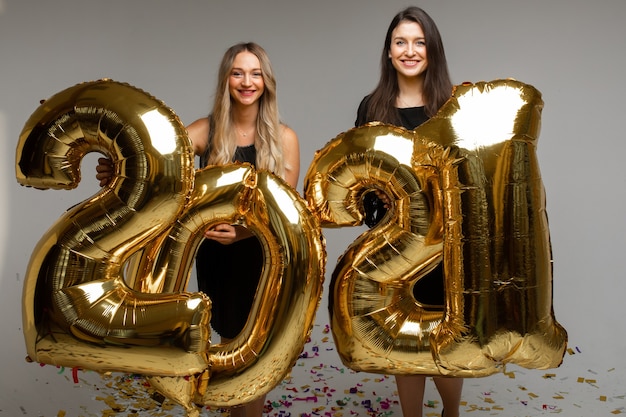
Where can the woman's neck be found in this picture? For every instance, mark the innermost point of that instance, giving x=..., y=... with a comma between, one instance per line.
x=410, y=92
x=244, y=121
x=245, y=114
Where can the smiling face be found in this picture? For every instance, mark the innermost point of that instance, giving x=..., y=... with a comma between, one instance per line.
x=407, y=51
x=245, y=83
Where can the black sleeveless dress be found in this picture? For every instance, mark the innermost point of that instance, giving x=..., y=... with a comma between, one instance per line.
x=229, y=274
x=429, y=290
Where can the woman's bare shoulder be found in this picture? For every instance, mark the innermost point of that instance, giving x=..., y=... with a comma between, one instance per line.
x=198, y=132
x=288, y=134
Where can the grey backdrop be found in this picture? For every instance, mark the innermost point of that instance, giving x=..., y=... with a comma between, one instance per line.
x=325, y=54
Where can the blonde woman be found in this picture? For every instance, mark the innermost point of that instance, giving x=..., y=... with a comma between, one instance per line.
x=243, y=126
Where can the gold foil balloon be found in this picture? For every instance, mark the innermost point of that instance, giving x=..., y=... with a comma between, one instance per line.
x=105, y=287
x=287, y=299
x=497, y=248
x=75, y=300
x=482, y=212
x=289, y=292
x=377, y=324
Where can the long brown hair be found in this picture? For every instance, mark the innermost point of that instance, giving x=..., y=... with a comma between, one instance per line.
x=437, y=83
x=268, y=142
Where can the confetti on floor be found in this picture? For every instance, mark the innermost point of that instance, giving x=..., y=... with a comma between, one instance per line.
x=320, y=386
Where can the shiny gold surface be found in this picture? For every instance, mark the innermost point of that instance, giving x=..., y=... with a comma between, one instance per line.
x=470, y=194
x=377, y=324
x=105, y=286
x=289, y=293
x=74, y=283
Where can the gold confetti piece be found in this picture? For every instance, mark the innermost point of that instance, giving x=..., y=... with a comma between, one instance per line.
x=549, y=376
x=558, y=397
x=571, y=351
x=590, y=381
x=61, y=413
x=602, y=397
x=497, y=407
x=489, y=400
x=532, y=395
x=616, y=412
x=611, y=370
x=580, y=379
x=510, y=374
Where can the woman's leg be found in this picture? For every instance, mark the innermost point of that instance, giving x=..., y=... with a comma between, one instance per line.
x=251, y=409
x=450, y=392
x=411, y=393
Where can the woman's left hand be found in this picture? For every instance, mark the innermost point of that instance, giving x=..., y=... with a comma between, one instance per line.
x=226, y=234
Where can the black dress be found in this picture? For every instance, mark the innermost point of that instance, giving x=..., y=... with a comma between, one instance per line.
x=429, y=290
x=229, y=274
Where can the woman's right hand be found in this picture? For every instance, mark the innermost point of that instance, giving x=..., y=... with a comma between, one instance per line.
x=383, y=197
x=104, y=171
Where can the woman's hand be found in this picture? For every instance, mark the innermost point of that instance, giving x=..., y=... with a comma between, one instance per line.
x=104, y=171
x=375, y=205
x=226, y=234
x=383, y=197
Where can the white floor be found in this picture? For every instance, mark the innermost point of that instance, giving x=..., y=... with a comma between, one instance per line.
x=321, y=386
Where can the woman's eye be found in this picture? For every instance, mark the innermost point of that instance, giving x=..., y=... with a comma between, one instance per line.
x=236, y=74
x=257, y=74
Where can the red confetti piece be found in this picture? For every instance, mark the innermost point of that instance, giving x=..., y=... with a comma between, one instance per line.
x=307, y=399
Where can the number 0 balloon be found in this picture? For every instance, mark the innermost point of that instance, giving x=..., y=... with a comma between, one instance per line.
x=465, y=190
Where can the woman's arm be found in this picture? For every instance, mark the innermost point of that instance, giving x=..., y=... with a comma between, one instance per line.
x=198, y=132
x=291, y=156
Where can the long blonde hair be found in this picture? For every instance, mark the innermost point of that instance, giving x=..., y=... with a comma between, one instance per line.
x=268, y=142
